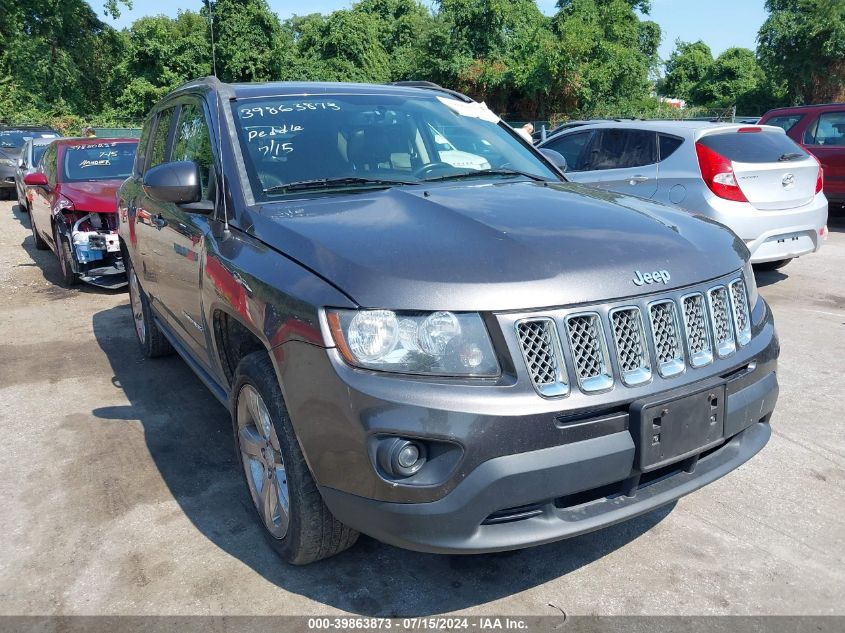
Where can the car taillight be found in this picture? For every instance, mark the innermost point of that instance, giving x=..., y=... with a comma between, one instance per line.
x=820, y=177
x=717, y=171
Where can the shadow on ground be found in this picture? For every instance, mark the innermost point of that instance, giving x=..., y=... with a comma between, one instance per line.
x=49, y=264
x=188, y=434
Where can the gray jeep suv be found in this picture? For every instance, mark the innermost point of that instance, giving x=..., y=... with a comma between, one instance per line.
x=447, y=358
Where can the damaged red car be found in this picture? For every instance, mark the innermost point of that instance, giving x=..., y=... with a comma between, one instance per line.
x=74, y=207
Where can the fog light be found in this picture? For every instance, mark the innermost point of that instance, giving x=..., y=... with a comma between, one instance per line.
x=400, y=457
x=408, y=456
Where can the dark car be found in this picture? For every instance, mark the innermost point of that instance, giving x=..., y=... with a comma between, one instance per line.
x=819, y=129
x=12, y=140
x=446, y=359
x=74, y=205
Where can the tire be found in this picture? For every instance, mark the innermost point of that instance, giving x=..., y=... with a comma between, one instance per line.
x=69, y=278
x=308, y=532
x=150, y=338
x=40, y=244
x=775, y=265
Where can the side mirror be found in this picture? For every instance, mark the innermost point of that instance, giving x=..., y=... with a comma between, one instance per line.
x=21, y=163
x=556, y=158
x=35, y=179
x=177, y=182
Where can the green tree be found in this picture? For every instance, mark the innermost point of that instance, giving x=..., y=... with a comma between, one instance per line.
x=55, y=56
x=250, y=42
x=732, y=75
x=686, y=67
x=802, y=46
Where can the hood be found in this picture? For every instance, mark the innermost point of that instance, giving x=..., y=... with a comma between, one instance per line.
x=503, y=246
x=93, y=195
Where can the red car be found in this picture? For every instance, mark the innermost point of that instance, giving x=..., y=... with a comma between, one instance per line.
x=819, y=129
x=74, y=207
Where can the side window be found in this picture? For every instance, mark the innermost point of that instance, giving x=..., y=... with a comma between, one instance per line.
x=571, y=147
x=785, y=121
x=193, y=142
x=828, y=130
x=48, y=164
x=622, y=149
x=158, y=154
x=141, y=152
x=667, y=145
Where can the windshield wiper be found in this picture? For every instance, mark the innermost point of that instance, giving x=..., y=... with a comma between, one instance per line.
x=481, y=173
x=791, y=156
x=328, y=183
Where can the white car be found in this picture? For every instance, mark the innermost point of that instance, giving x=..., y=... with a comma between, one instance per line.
x=752, y=178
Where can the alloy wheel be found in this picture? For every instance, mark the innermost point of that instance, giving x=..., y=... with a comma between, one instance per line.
x=262, y=460
x=136, y=305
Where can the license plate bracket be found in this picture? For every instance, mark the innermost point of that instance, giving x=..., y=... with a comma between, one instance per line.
x=677, y=427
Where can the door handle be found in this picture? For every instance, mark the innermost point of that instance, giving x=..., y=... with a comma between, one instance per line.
x=158, y=221
x=636, y=179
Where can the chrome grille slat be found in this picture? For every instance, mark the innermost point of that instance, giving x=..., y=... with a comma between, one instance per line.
x=540, y=347
x=589, y=351
x=631, y=347
x=667, y=338
x=722, y=321
x=739, y=309
x=697, y=330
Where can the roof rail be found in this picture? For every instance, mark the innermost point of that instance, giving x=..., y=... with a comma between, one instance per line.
x=430, y=85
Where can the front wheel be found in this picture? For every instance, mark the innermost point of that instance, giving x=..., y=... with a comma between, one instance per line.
x=775, y=265
x=40, y=244
x=69, y=277
x=296, y=522
x=153, y=343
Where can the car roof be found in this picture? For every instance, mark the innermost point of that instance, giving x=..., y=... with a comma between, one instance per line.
x=265, y=89
x=27, y=128
x=684, y=127
x=69, y=142
x=806, y=108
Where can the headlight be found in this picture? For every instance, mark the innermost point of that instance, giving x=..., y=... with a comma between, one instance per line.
x=750, y=285
x=433, y=343
x=7, y=162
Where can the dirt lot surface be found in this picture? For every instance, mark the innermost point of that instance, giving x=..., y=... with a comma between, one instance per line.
x=120, y=493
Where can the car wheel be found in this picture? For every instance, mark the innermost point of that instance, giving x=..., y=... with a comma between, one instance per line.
x=780, y=263
x=40, y=244
x=296, y=522
x=69, y=278
x=153, y=343
x=23, y=204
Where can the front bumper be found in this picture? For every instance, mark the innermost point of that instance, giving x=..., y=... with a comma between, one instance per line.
x=461, y=521
x=510, y=469
x=7, y=177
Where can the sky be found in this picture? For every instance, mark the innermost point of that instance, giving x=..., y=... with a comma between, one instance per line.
x=719, y=23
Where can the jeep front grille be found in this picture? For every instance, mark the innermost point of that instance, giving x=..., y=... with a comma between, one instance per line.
x=720, y=313
x=631, y=346
x=739, y=308
x=540, y=347
x=697, y=330
x=667, y=338
x=589, y=352
x=632, y=342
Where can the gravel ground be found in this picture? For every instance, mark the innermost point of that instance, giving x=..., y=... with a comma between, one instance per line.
x=121, y=495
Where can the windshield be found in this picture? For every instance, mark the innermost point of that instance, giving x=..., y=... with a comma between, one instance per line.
x=359, y=141
x=98, y=161
x=15, y=139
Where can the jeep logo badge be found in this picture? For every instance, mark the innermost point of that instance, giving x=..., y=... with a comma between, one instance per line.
x=656, y=277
